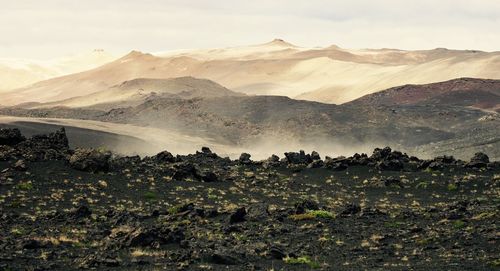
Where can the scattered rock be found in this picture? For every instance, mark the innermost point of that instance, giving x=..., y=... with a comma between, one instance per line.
x=80, y=212
x=479, y=160
x=11, y=137
x=35, y=244
x=20, y=165
x=277, y=253
x=336, y=164
x=165, y=156
x=238, y=216
x=304, y=205
x=208, y=176
x=144, y=238
x=258, y=211
x=102, y=184
x=183, y=171
x=272, y=161
x=223, y=258
x=245, y=159
x=53, y=146
x=315, y=156
x=298, y=158
x=386, y=159
x=90, y=160
x=351, y=209
x=316, y=164
x=205, y=151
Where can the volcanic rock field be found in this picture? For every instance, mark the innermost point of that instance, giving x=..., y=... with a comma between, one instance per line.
x=64, y=209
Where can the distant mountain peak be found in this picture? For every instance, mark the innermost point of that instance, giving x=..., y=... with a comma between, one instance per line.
x=333, y=47
x=280, y=42
x=136, y=54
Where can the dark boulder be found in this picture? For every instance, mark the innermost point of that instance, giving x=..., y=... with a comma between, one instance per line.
x=165, y=157
x=392, y=181
x=479, y=160
x=351, y=209
x=390, y=164
x=380, y=154
x=338, y=164
x=206, y=152
x=437, y=163
x=245, y=159
x=184, y=171
x=272, y=161
x=238, y=216
x=258, y=211
x=359, y=159
x=80, y=212
x=20, y=165
x=57, y=140
x=277, y=253
x=316, y=164
x=315, y=155
x=90, y=160
x=120, y=163
x=53, y=146
x=386, y=159
x=144, y=238
x=222, y=258
x=208, y=176
x=298, y=158
x=304, y=205
x=6, y=152
x=11, y=137
x=35, y=244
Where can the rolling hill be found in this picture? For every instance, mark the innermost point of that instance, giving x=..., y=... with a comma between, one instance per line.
x=423, y=120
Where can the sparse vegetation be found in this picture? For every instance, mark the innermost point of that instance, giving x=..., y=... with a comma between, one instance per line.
x=458, y=224
x=312, y=215
x=25, y=186
x=150, y=195
x=452, y=187
x=302, y=260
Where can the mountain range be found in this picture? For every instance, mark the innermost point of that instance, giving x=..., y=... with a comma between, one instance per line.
x=328, y=75
x=275, y=97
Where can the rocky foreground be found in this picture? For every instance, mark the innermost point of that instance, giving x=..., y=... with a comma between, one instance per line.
x=64, y=209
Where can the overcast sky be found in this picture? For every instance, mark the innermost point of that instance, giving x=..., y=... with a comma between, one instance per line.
x=53, y=28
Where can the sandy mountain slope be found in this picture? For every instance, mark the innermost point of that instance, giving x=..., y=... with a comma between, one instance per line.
x=122, y=138
x=331, y=74
x=136, y=91
x=15, y=73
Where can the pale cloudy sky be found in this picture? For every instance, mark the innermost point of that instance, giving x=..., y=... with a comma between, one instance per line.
x=53, y=28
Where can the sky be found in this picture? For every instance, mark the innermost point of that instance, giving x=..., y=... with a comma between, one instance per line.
x=53, y=28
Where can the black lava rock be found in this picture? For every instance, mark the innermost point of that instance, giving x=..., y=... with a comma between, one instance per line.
x=302, y=206
x=479, y=160
x=351, y=209
x=298, y=157
x=165, y=156
x=90, y=160
x=245, y=159
x=238, y=216
x=11, y=137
